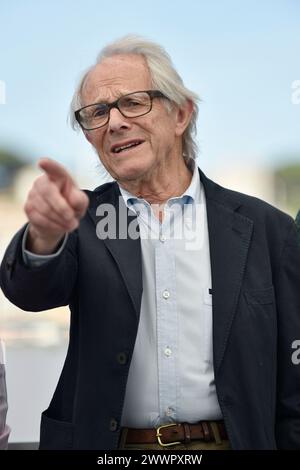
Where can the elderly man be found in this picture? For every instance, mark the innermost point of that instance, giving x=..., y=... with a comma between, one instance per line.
x=184, y=295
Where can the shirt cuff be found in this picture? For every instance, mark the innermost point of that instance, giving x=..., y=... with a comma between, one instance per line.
x=32, y=259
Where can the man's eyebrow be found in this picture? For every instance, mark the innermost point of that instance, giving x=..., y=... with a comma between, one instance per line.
x=102, y=100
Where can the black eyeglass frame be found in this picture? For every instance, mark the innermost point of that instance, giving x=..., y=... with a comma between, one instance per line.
x=115, y=104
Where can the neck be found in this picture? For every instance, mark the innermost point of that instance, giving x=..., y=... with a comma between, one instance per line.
x=162, y=183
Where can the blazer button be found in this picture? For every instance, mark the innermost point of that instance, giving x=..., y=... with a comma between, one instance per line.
x=9, y=265
x=113, y=425
x=122, y=358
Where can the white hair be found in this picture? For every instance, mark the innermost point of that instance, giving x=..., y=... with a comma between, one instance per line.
x=164, y=78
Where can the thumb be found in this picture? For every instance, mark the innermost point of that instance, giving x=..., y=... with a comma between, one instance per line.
x=78, y=200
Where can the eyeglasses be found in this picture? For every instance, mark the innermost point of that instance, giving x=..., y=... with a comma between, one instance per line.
x=133, y=105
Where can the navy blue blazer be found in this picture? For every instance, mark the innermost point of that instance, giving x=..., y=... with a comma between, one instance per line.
x=255, y=264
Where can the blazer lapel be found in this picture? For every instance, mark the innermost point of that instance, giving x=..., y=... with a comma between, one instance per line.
x=125, y=250
x=229, y=237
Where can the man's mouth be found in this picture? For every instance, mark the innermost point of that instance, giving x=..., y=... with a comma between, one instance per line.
x=126, y=145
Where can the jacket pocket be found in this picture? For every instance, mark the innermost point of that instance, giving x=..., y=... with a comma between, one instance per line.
x=260, y=296
x=55, y=434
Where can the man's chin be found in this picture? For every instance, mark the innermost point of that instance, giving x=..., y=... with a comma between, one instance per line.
x=128, y=174
x=129, y=177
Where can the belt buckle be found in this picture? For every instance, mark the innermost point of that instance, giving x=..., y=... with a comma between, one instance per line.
x=158, y=435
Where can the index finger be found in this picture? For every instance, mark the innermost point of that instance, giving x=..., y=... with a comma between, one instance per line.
x=56, y=172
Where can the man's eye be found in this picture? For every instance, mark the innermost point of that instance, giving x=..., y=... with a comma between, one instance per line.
x=99, y=112
x=132, y=103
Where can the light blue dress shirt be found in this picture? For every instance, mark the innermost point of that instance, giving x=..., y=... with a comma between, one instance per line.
x=171, y=376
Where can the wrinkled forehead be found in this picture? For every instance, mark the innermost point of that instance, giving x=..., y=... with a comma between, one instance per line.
x=115, y=76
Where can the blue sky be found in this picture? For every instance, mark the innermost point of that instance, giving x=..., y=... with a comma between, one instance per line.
x=241, y=57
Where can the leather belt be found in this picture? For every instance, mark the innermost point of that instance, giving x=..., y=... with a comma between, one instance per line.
x=176, y=433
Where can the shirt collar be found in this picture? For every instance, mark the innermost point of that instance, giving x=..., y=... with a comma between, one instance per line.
x=191, y=194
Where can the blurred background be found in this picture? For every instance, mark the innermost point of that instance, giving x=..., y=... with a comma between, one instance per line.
x=241, y=57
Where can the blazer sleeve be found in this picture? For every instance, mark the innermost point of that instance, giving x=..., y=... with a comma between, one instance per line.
x=287, y=284
x=39, y=288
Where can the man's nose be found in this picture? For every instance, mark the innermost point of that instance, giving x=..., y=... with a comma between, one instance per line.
x=117, y=121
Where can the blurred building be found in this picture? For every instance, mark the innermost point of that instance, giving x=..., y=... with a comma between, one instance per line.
x=254, y=181
x=279, y=187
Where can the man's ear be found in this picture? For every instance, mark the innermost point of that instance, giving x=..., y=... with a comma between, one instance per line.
x=183, y=117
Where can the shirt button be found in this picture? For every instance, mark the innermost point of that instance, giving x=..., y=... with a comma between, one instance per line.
x=113, y=425
x=166, y=294
x=162, y=238
x=168, y=352
x=169, y=411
